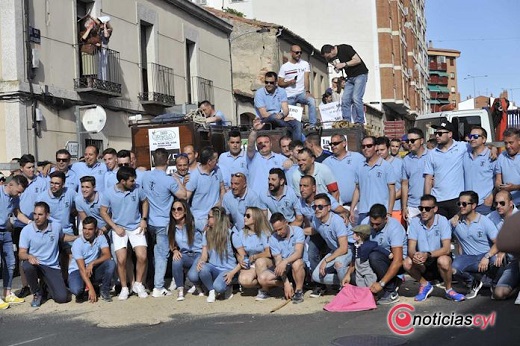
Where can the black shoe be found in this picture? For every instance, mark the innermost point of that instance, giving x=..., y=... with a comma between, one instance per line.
x=80, y=298
x=317, y=292
x=475, y=287
x=297, y=297
x=24, y=292
x=106, y=296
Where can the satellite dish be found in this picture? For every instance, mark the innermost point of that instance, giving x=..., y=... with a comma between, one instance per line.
x=94, y=119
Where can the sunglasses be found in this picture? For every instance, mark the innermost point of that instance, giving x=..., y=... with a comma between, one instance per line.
x=474, y=136
x=178, y=209
x=335, y=143
x=319, y=206
x=364, y=146
x=248, y=216
x=238, y=175
x=126, y=164
x=181, y=155
x=297, y=52
x=411, y=140
x=269, y=82
x=427, y=209
x=439, y=133
x=464, y=204
x=62, y=160
x=499, y=203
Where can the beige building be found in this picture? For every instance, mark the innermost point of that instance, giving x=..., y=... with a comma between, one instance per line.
x=442, y=85
x=258, y=47
x=389, y=35
x=162, y=54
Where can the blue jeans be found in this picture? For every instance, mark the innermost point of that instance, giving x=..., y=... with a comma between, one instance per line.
x=304, y=100
x=294, y=125
x=315, y=245
x=188, y=261
x=353, y=98
x=52, y=278
x=8, y=260
x=160, y=254
x=380, y=264
x=333, y=275
x=483, y=209
x=102, y=274
x=467, y=266
x=213, y=278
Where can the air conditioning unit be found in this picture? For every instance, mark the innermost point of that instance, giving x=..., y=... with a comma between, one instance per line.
x=405, y=11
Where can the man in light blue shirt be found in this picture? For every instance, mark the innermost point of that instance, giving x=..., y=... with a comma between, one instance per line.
x=213, y=117
x=160, y=189
x=63, y=164
x=206, y=186
x=383, y=151
x=234, y=160
x=238, y=199
x=110, y=159
x=272, y=108
x=508, y=165
x=281, y=198
x=88, y=202
x=91, y=167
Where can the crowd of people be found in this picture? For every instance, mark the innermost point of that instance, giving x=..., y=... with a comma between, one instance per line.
x=301, y=219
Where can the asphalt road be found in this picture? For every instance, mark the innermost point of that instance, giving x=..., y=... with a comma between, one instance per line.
x=361, y=328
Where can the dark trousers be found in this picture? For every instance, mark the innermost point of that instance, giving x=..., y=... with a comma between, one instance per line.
x=448, y=208
x=102, y=274
x=52, y=278
x=380, y=264
x=317, y=246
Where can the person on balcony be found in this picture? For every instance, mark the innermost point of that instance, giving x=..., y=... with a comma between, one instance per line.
x=104, y=33
x=90, y=42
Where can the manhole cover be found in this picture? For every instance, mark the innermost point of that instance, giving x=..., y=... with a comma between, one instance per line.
x=369, y=340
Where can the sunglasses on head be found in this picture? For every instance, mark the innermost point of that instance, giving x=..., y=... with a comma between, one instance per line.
x=427, y=209
x=499, y=203
x=439, y=133
x=181, y=155
x=364, y=146
x=269, y=82
x=238, y=175
x=464, y=204
x=474, y=136
x=335, y=143
x=126, y=164
x=411, y=140
x=319, y=206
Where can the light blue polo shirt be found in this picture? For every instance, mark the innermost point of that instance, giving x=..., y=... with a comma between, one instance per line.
x=29, y=196
x=288, y=204
x=97, y=171
x=509, y=167
x=322, y=174
x=259, y=167
x=479, y=174
x=60, y=207
x=251, y=243
x=308, y=212
x=110, y=178
x=227, y=261
x=495, y=217
x=125, y=206
x=82, y=249
x=181, y=240
x=344, y=169
x=219, y=122
x=159, y=189
x=477, y=237
x=229, y=164
x=91, y=208
x=43, y=244
x=397, y=166
x=285, y=246
x=236, y=206
x=7, y=206
x=447, y=171
x=429, y=239
x=331, y=230
x=413, y=171
x=206, y=191
x=392, y=235
x=373, y=184
x=271, y=102
x=71, y=179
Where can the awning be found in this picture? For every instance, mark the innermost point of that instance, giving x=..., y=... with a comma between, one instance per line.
x=434, y=88
x=440, y=73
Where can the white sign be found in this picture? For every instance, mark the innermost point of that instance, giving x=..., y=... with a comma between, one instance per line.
x=167, y=138
x=296, y=112
x=330, y=113
x=325, y=143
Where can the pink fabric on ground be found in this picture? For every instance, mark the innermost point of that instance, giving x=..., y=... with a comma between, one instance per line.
x=352, y=298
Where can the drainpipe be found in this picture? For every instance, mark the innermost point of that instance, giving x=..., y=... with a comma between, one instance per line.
x=30, y=77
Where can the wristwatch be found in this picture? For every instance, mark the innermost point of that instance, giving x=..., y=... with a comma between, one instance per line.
x=487, y=256
x=382, y=284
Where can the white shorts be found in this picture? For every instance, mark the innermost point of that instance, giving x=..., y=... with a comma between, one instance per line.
x=136, y=239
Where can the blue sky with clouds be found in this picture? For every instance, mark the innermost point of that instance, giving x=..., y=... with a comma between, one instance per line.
x=487, y=33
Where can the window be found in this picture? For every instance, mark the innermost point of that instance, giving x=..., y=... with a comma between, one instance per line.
x=452, y=75
x=452, y=61
x=452, y=90
x=441, y=59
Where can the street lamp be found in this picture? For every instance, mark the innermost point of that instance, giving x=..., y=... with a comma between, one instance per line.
x=258, y=31
x=474, y=77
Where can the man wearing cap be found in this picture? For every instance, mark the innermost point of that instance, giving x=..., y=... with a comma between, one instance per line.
x=429, y=250
x=444, y=172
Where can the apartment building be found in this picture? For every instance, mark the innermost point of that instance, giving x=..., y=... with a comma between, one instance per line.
x=442, y=85
x=54, y=93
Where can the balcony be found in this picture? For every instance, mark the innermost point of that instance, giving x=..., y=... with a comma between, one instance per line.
x=157, y=85
x=203, y=89
x=99, y=72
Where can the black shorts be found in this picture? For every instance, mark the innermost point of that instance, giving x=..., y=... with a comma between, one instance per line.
x=432, y=270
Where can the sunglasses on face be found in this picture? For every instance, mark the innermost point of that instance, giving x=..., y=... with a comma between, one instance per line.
x=127, y=164
x=269, y=82
x=427, y=209
x=297, y=52
x=335, y=143
x=319, y=206
x=474, y=136
x=464, y=204
x=178, y=209
x=62, y=160
x=248, y=216
x=500, y=203
x=439, y=133
x=365, y=146
x=411, y=140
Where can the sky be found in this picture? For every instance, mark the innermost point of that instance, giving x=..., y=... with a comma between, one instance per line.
x=487, y=33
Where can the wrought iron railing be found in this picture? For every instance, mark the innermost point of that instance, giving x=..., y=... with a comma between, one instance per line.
x=203, y=88
x=157, y=85
x=99, y=70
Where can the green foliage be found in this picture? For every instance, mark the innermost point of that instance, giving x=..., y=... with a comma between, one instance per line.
x=234, y=12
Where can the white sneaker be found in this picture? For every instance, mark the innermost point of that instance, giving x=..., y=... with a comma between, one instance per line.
x=123, y=295
x=160, y=292
x=138, y=289
x=517, y=301
x=192, y=289
x=211, y=297
x=180, y=295
x=229, y=293
x=173, y=286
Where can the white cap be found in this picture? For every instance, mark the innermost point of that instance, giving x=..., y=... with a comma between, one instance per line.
x=104, y=19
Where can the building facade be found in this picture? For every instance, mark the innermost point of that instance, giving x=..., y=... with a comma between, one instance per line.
x=442, y=85
x=161, y=55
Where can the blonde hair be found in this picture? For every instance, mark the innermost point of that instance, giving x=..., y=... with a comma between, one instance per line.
x=217, y=236
x=260, y=224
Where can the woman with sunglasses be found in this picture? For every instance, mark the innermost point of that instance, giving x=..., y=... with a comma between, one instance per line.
x=185, y=243
x=217, y=266
x=252, y=244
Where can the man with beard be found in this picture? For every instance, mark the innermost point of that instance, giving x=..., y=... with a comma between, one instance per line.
x=238, y=199
x=234, y=160
x=182, y=166
x=281, y=198
x=91, y=167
